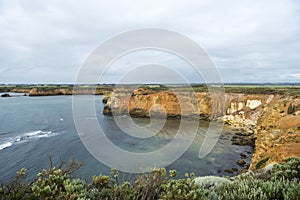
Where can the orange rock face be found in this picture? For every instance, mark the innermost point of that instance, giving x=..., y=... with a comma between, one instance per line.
x=146, y=103
x=277, y=133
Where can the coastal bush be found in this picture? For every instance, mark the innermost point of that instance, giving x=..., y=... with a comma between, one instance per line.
x=252, y=188
x=209, y=182
x=57, y=183
x=18, y=188
x=290, y=169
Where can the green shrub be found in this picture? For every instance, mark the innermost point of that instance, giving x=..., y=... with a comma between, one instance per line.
x=258, y=189
x=282, y=182
x=17, y=188
x=55, y=183
x=182, y=189
x=290, y=169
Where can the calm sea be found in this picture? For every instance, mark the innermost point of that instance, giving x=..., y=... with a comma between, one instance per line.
x=34, y=128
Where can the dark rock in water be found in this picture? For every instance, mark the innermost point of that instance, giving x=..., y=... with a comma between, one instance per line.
x=235, y=169
x=105, y=99
x=228, y=171
x=243, y=139
x=5, y=95
x=107, y=110
x=241, y=162
x=243, y=155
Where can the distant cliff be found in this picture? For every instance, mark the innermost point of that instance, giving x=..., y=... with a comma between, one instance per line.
x=63, y=91
x=51, y=90
x=272, y=121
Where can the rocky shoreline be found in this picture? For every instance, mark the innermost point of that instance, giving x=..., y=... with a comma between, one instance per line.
x=258, y=120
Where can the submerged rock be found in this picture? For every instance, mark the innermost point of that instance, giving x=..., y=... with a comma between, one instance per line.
x=243, y=155
x=230, y=171
x=243, y=140
x=5, y=95
x=235, y=169
x=107, y=110
x=241, y=162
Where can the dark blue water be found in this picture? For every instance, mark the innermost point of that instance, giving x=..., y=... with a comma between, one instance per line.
x=34, y=128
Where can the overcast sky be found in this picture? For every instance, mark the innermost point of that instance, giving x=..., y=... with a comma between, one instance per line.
x=249, y=41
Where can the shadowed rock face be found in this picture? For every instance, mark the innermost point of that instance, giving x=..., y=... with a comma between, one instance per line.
x=264, y=119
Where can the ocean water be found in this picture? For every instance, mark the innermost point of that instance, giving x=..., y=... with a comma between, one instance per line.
x=34, y=128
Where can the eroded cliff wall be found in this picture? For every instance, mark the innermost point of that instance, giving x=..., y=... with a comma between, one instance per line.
x=277, y=132
x=273, y=120
x=234, y=108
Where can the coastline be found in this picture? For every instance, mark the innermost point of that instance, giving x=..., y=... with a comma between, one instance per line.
x=266, y=118
x=268, y=122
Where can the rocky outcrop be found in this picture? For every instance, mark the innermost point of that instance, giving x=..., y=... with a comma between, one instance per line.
x=64, y=91
x=271, y=123
x=147, y=103
x=5, y=95
x=277, y=132
x=238, y=110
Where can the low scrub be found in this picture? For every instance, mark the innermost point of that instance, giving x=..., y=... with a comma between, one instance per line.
x=281, y=181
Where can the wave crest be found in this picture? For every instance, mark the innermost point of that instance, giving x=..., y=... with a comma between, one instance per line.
x=26, y=137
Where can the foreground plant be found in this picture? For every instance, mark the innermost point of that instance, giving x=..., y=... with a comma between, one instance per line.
x=282, y=181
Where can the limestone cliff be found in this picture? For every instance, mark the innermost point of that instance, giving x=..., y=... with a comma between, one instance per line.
x=274, y=120
x=64, y=91
x=146, y=103
x=277, y=132
x=235, y=109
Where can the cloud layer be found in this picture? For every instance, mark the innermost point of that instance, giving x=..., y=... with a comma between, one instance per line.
x=249, y=41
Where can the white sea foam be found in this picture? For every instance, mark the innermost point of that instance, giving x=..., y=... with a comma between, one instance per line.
x=5, y=145
x=38, y=134
x=26, y=137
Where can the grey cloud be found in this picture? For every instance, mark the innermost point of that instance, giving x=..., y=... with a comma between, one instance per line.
x=47, y=41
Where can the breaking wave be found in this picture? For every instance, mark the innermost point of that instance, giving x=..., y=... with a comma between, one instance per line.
x=26, y=137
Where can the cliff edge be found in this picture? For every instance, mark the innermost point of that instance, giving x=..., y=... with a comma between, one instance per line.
x=272, y=121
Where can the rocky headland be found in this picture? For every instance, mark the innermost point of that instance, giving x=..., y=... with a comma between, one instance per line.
x=64, y=91
x=268, y=122
x=53, y=90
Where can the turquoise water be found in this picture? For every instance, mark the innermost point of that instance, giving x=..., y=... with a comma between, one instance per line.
x=34, y=128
